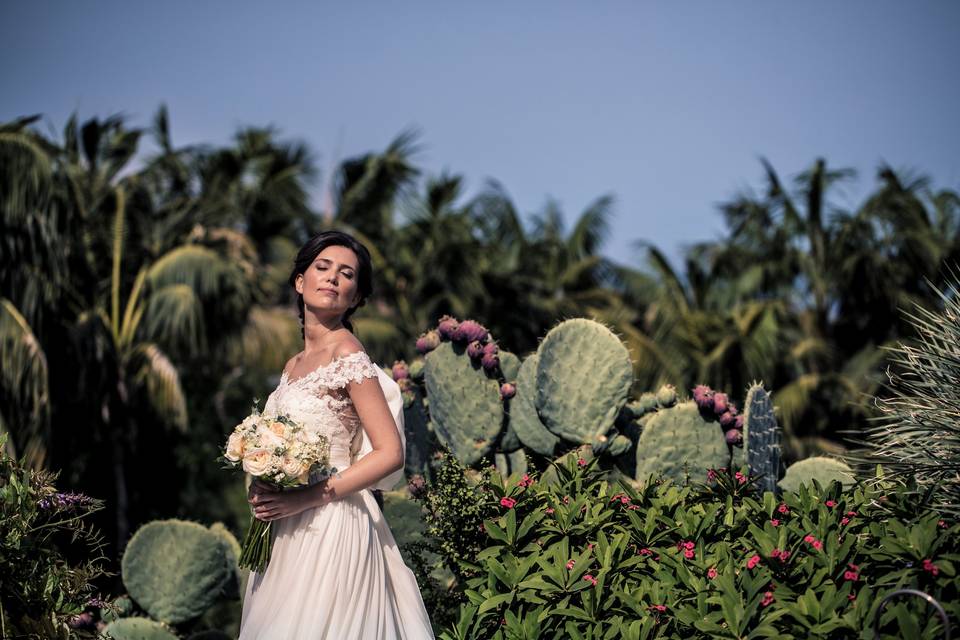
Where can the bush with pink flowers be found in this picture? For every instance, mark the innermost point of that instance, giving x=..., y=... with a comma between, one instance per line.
x=583, y=557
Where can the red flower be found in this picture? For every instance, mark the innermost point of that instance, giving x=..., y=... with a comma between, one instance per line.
x=844, y=521
x=711, y=475
x=689, y=544
x=830, y=503
x=942, y=524
x=659, y=608
x=570, y=563
x=808, y=538
x=775, y=554
x=817, y=545
x=851, y=597
x=525, y=481
x=774, y=522
x=589, y=578
x=549, y=509
x=740, y=477
x=581, y=462
x=645, y=552
x=929, y=566
x=852, y=514
x=753, y=561
x=767, y=599
x=850, y=575
x=712, y=573
x=507, y=502
x=689, y=554
x=783, y=508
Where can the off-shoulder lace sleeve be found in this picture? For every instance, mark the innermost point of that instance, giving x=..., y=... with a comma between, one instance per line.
x=352, y=367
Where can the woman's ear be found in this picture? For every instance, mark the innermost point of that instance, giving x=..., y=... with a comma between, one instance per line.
x=298, y=283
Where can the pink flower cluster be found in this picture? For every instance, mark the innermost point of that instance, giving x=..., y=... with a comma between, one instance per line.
x=589, y=578
x=687, y=547
x=928, y=566
x=507, y=502
x=813, y=542
x=844, y=521
x=753, y=561
x=782, y=556
x=712, y=573
x=525, y=481
x=767, y=599
x=852, y=573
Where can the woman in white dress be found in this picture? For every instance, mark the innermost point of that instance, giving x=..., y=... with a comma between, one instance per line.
x=335, y=571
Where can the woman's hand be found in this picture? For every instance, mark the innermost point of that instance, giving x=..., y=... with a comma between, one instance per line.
x=270, y=503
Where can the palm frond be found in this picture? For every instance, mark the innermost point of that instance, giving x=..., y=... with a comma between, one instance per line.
x=158, y=377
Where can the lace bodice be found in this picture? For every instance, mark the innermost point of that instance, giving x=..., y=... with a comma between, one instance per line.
x=320, y=402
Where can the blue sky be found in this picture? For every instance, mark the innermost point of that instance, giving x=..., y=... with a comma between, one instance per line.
x=668, y=106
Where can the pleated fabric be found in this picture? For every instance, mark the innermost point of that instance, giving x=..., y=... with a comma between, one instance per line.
x=335, y=573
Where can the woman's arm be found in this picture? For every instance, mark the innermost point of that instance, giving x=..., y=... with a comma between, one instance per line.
x=387, y=456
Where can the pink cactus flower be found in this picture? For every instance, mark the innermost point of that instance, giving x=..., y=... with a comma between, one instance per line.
x=507, y=502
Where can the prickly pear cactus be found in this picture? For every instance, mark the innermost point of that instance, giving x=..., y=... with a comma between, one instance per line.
x=419, y=440
x=679, y=443
x=509, y=365
x=139, y=629
x=820, y=468
x=235, y=585
x=619, y=445
x=465, y=405
x=510, y=463
x=175, y=570
x=584, y=375
x=122, y=608
x=761, y=438
x=524, y=420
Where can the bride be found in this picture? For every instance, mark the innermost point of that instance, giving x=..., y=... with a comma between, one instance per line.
x=335, y=571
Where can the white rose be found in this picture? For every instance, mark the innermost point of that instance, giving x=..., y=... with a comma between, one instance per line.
x=267, y=438
x=235, y=446
x=257, y=462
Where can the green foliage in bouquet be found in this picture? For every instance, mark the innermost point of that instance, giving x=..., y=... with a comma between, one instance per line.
x=584, y=558
x=137, y=628
x=176, y=570
x=44, y=590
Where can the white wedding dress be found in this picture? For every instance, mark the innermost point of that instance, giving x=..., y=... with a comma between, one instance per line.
x=335, y=571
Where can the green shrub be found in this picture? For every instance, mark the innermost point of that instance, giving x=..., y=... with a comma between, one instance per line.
x=42, y=589
x=584, y=558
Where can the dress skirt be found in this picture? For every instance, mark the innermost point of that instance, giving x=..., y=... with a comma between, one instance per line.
x=335, y=573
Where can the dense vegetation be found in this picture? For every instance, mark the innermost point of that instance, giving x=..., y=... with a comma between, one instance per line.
x=143, y=296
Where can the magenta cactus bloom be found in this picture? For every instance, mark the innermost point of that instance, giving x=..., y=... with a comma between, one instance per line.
x=490, y=362
x=447, y=326
x=703, y=396
x=734, y=437
x=470, y=330
x=475, y=350
x=400, y=370
x=507, y=390
x=428, y=341
x=720, y=402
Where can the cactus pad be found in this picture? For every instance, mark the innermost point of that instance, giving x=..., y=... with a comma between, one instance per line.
x=175, y=570
x=820, y=468
x=679, y=443
x=584, y=376
x=509, y=365
x=139, y=629
x=465, y=405
x=524, y=420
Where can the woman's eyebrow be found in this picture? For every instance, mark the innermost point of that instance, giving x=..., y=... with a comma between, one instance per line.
x=344, y=264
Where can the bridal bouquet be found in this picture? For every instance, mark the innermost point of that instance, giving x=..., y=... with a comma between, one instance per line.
x=276, y=450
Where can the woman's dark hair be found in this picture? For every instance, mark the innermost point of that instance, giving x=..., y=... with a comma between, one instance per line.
x=312, y=248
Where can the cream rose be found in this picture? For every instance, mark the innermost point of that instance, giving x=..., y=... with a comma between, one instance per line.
x=293, y=467
x=235, y=446
x=268, y=439
x=257, y=462
x=279, y=429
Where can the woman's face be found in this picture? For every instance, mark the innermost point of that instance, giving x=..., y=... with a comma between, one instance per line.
x=330, y=282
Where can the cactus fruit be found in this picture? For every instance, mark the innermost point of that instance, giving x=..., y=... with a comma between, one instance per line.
x=667, y=395
x=733, y=437
x=524, y=419
x=399, y=370
x=428, y=341
x=508, y=390
x=490, y=362
x=475, y=350
x=469, y=331
x=680, y=443
x=820, y=468
x=446, y=327
x=465, y=404
x=703, y=396
x=584, y=376
x=762, y=437
x=175, y=570
x=138, y=629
